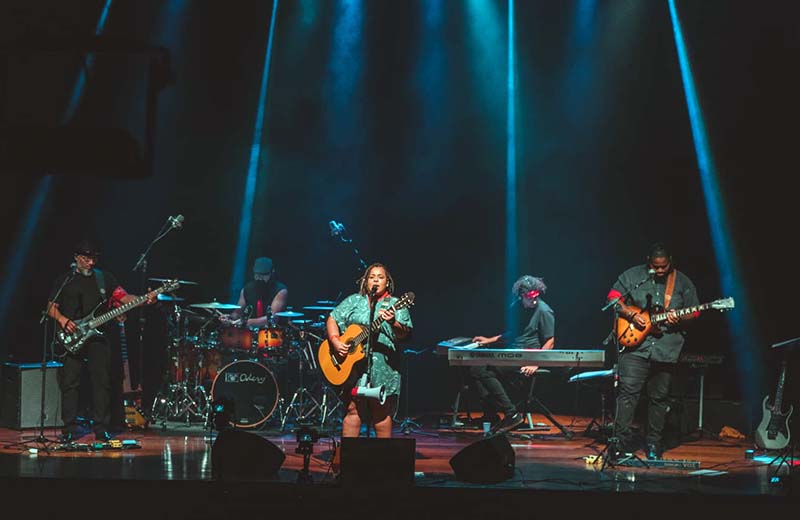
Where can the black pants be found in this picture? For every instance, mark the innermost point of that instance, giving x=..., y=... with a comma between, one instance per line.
x=489, y=383
x=97, y=355
x=634, y=373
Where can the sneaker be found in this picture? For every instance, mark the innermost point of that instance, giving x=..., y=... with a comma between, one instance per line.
x=508, y=423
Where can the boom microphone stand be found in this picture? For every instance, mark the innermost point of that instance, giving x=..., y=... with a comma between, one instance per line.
x=141, y=265
x=40, y=438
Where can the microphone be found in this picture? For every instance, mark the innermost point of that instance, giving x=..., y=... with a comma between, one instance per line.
x=374, y=290
x=651, y=272
x=176, y=222
x=335, y=230
x=378, y=393
x=73, y=267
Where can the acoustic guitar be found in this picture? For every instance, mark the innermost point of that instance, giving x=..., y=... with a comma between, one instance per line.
x=337, y=369
x=631, y=336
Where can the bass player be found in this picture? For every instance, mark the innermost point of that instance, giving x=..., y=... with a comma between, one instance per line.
x=84, y=288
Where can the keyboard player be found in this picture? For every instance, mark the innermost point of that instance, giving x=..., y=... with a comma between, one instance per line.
x=534, y=329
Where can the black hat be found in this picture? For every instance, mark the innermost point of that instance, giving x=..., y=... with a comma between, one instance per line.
x=87, y=247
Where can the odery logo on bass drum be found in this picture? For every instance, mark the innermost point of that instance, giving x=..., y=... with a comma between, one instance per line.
x=244, y=377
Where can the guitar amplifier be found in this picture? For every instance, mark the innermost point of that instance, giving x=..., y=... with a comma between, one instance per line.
x=21, y=391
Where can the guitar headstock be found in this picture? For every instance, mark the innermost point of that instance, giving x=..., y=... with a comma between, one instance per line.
x=724, y=304
x=407, y=300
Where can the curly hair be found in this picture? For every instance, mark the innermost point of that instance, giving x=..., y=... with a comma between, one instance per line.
x=362, y=282
x=527, y=283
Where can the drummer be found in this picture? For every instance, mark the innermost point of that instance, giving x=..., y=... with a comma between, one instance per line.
x=264, y=293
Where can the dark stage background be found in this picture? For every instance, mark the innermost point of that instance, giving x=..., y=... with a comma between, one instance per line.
x=391, y=118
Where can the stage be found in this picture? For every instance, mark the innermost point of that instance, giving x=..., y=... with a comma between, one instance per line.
x=168, y=474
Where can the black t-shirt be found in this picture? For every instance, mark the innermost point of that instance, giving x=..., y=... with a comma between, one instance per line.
x=81, y=295
x=257, y=291
x=534, y=327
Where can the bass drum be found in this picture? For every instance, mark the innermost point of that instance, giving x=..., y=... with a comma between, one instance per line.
x=252, y=389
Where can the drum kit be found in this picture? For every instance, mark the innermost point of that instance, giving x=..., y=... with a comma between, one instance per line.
x=268, y=374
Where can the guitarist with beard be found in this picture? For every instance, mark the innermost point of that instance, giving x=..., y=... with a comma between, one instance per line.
x=84, y=288
x=375, y=286
x=653, y=284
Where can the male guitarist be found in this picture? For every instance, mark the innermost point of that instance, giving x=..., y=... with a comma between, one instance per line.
x=647, y=286
x=84, y=288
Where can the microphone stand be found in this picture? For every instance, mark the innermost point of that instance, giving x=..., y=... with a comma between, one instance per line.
x=609, y=453
x=141, y=265
x=41, y=438
x=373, y=336
x=341, y=234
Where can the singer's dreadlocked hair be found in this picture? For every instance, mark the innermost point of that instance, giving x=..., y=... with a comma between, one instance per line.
x=527, y=283
x=362, y=282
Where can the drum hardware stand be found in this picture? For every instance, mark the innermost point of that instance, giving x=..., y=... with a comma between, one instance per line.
x=303, y=403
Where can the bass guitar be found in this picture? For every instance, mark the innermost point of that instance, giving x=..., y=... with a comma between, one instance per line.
x=631, y=336
x=337, y=369
x=87, y=327
x=773, y=431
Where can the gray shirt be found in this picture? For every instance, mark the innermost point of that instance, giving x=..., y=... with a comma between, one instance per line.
x=667, y=347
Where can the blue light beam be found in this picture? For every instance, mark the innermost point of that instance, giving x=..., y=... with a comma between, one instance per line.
x=512, y=249
x=743, y=336
x=246, y=219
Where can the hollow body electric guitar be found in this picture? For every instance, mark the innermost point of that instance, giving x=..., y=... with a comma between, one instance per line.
x=630, y=336
x=87, y=327
x=338, y=369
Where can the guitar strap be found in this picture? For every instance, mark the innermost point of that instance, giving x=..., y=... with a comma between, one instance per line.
x=670, y=287
x=101, y=283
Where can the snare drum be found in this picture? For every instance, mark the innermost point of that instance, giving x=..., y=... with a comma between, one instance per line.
x=253, y=390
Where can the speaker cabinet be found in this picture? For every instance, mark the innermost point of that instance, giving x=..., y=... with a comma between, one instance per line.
x=22, y=394
x=372, y=461
x=489, y=460
x=240, y=455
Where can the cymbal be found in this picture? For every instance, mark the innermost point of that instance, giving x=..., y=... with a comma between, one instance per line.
x=288, y=314
x=182, y=282
x=302, y=322
x=168, y=298
x=326, y=302
x=318, y=308
x=215, y=306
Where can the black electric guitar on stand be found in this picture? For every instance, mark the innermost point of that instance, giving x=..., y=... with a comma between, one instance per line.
x=773, y=431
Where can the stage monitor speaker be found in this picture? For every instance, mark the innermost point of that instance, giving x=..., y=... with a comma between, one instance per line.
x=489, y=460
x=240, y=455
x=373, y=461
x=22, y=394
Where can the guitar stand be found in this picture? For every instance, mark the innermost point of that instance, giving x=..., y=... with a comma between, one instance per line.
x=785, y=456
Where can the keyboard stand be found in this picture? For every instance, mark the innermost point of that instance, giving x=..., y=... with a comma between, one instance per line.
x=533, y=400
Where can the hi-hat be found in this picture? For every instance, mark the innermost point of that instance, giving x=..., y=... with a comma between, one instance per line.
x=216, y=306
x=182, y=282
x=168, y=298
x=288, y=314
x=302, y=323
x=326, y=302
x=318, y=308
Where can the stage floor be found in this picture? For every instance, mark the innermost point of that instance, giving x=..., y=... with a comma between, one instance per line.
x=546, y=462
